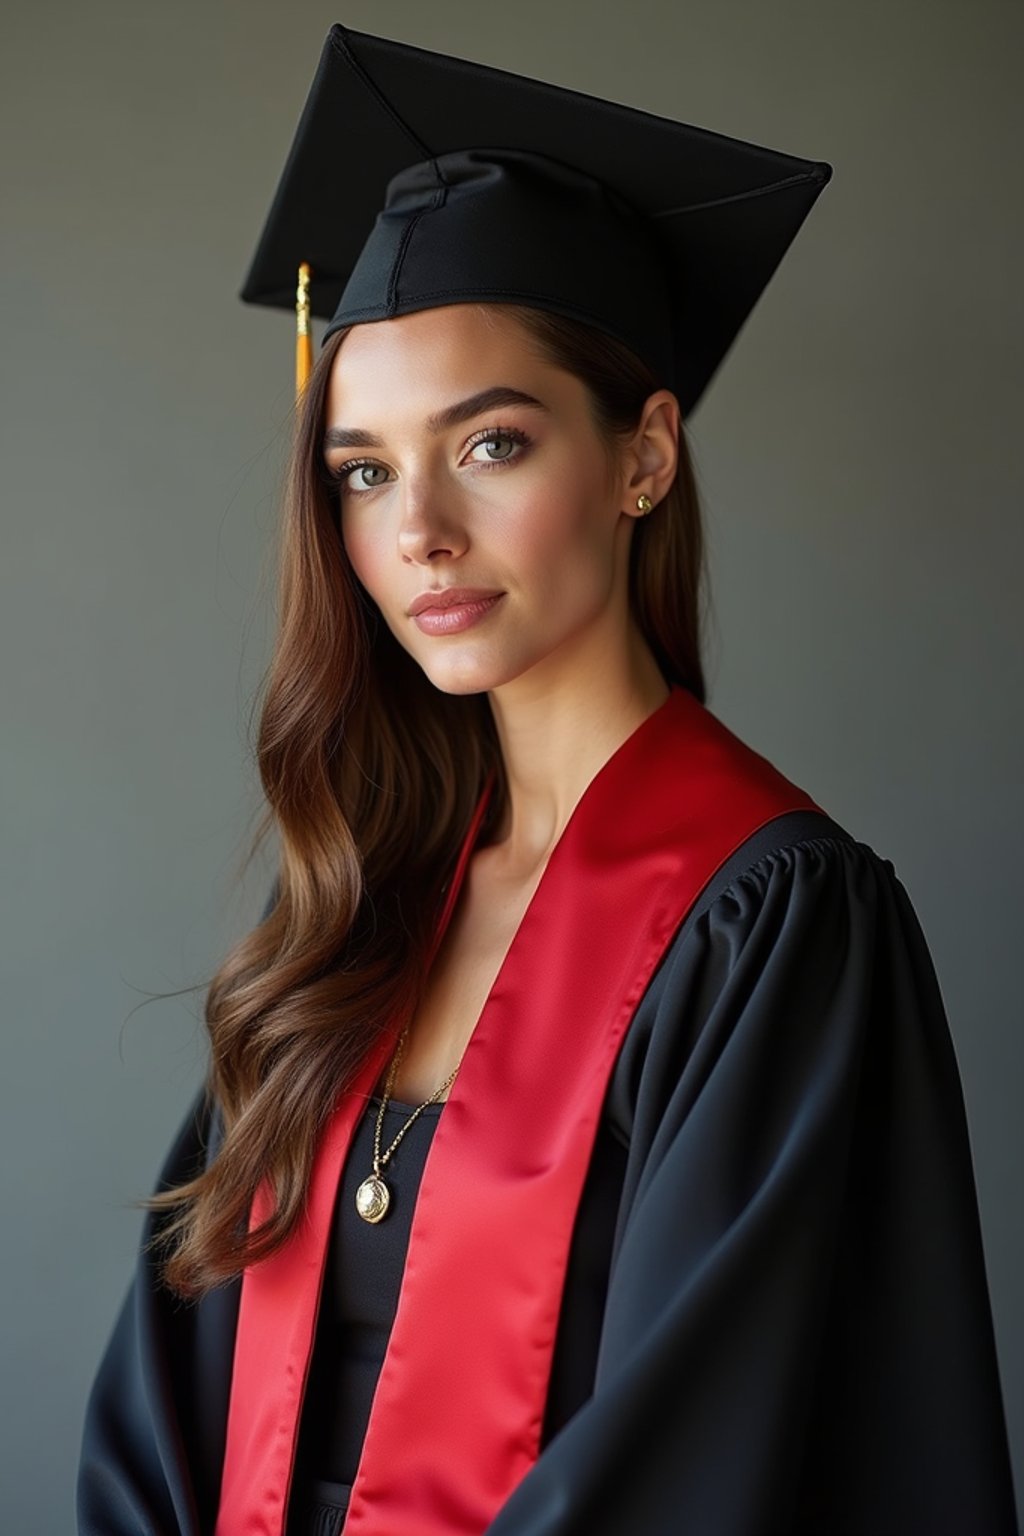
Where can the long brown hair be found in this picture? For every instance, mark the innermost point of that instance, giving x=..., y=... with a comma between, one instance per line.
x=371, y=775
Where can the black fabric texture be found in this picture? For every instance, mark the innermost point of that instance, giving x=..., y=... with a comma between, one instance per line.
x=795, y=1335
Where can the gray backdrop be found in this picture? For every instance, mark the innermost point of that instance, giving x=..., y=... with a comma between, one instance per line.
x=859, y=457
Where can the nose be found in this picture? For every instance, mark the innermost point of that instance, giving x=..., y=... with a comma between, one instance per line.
x=430, y=524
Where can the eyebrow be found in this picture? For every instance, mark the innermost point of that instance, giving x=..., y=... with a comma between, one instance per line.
x=441, y=421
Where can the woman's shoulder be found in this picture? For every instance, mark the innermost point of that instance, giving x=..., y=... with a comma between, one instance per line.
x=803, y=918
x=791, y=860
x=797, y=853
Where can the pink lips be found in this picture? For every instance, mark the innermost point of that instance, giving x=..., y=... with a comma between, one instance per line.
x=449, y=597
x=450, y=609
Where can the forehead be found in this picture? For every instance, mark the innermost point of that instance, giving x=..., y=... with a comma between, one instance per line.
x=419, y=360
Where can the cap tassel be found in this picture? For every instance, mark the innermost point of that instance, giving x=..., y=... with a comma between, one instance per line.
x=303, y=333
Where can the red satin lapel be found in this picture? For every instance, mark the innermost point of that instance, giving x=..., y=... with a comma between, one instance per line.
x=458, y=1411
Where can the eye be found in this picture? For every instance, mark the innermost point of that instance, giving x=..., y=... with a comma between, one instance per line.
x=362, y=467
x=506, y=439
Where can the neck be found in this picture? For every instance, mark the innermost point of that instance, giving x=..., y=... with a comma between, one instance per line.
x=555, y=735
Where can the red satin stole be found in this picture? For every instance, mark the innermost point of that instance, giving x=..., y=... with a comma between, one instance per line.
x=457, y=1415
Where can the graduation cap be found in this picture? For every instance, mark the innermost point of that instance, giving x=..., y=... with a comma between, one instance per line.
x=417, y=179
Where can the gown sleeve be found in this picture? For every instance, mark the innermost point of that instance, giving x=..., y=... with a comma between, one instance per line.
x=153, y=1431
x=797, y=1334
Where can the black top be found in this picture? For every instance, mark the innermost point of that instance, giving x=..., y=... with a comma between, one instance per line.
x=794, y=1335
x=360, y=1292
x=358, y=1303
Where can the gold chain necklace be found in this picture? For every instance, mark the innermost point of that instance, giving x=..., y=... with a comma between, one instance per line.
x=373, y=1196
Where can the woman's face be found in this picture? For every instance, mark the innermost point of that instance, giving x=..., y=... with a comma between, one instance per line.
x=464, y=460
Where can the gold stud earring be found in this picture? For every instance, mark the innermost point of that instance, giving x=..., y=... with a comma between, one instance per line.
x=644, y=504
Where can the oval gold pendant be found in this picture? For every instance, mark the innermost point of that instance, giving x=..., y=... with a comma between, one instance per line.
x=372, y=1198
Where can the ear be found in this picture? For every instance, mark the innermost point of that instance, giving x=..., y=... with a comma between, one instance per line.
x=651, y=458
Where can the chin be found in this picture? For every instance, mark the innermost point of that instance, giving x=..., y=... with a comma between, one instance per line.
x=465, y=680
x=469, y=674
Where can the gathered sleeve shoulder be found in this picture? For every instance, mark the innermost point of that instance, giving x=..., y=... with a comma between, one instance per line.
x=797, y=1336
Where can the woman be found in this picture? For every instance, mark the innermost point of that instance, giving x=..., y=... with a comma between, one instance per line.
x=583, y=1147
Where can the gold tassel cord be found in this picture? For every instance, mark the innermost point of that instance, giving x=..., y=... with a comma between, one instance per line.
x=303, y=331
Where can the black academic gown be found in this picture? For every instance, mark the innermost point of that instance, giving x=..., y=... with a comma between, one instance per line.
x=796, y=1334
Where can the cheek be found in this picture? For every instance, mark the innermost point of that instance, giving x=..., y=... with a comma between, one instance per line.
x=364, y=555
x=561, y=534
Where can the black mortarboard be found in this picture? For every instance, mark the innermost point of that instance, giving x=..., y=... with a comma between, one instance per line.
x=417, y=179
